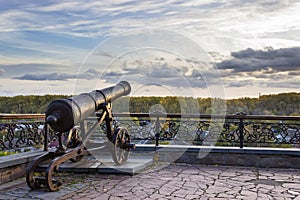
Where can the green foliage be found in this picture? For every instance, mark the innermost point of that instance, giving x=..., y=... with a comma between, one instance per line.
x=26, y=104
x=275, y=104
x=6, y=153
x=279, y=104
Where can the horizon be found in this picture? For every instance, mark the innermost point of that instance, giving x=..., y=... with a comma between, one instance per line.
x=260, y=95
x=209, y=48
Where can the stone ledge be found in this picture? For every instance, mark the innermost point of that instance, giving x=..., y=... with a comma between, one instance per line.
x=216, y=149
x=14, y=166
x=19, y=158
x=231, y=156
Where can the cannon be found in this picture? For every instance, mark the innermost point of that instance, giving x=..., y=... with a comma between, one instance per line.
x=64, y=116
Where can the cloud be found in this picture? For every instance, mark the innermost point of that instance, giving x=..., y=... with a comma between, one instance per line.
x=250, y=60
x=46, y=77
x=163, y=70
x=290, y=34
x=70, y=29
x=105, y=54
x=89, y=18
x=153, y=84
x=167, y=71
x=240, y=83
x=268, y=67
x=92, y=71
x=2, y=71
x=284, y=84
x=111, y=74
x=295, y=73
x=262, y=6
x=89, y=74
x=18, y=70
x=215, y=22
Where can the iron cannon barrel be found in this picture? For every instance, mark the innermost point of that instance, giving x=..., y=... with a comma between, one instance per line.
x=63, y=114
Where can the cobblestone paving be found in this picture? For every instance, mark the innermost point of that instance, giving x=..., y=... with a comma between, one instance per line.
x=171, y=182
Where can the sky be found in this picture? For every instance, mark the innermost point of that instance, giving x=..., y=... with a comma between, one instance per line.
x=199, y=48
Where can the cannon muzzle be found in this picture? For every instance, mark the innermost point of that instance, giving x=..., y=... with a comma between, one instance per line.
x=63, y=114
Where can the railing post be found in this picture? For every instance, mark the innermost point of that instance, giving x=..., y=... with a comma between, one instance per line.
x=241, y=133
x=157, y=130
x=46, y=136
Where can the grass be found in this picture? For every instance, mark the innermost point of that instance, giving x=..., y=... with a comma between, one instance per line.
x=6, y=153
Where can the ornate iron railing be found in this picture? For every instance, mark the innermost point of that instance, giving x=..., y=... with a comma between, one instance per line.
x=23, y=131
x=17, y=131
x=222, y=130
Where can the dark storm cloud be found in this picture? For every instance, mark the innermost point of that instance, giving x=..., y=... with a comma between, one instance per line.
x=250, y=60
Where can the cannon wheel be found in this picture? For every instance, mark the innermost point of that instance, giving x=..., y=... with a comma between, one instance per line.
x=120, y=151
x=33, y=182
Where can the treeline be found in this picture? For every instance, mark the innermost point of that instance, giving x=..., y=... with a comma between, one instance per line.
x=26, y=104
x=279, y=104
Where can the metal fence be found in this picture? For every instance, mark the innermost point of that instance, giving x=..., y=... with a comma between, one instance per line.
x=210, y=130
x=20, y=131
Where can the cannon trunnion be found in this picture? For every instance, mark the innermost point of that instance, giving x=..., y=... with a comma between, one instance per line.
x=64, y=116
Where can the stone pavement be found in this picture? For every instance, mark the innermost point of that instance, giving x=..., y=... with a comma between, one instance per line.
x=175, y=181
